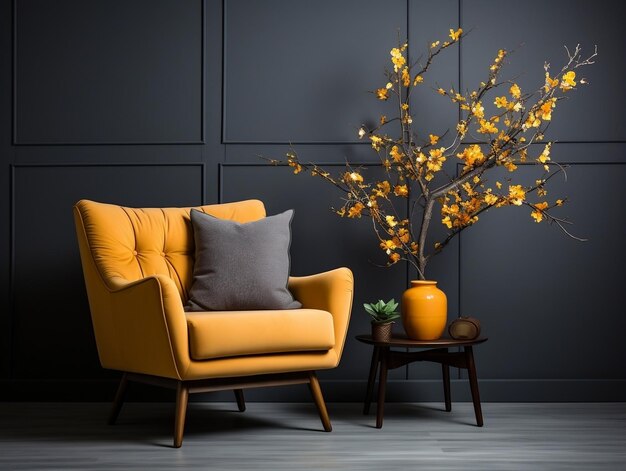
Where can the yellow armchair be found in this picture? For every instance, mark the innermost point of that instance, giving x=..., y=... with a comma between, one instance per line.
x=138, y=266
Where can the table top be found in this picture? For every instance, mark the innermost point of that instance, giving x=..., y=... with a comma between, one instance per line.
x=401, y=340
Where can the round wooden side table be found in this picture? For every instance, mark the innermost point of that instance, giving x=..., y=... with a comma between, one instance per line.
x=438, y=352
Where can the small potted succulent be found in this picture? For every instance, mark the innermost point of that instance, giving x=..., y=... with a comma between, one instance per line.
x=382, y=314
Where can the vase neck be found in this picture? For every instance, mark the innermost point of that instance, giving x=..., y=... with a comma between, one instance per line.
x=415, y=283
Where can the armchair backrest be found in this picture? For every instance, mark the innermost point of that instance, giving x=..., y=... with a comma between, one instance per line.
x=132, y=243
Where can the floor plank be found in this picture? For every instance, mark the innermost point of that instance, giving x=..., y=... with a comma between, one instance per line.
x=268, y=436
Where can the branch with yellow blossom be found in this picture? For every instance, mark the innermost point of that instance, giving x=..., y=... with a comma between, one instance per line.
x=413, y=162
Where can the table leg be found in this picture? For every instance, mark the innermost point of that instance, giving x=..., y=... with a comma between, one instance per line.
x=382, y=384
x=371, y=380
x=445, y=369
x=473, y=379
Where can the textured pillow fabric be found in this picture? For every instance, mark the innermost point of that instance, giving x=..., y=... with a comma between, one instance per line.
x=241, y=266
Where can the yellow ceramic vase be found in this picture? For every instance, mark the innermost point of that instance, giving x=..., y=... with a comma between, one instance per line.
x=424, y=310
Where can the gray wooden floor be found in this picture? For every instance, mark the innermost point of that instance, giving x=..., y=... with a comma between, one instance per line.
x=288, y=437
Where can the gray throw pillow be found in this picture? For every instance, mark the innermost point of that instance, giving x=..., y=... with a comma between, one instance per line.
x=241, y=266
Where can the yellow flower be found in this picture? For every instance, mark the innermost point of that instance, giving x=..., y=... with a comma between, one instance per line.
x=404, y=106
x=472, y=155
x=297, y=168
x=434, y=45
x=559, y=202
x=433, y=139
x=478, y=110
x=355, y=211
x=362, y=132
x=501, y=102
x=491, y=199
x=550, y=83
x=468, y=189
x=382, y=189
x=532, y=121
x=421, y=158
x=517, y=194
x=406, y=78
x=436, y=159
x=389, y=85
x=353, y=177
x=388, y=245
x=515, y=91
x=397, y=58
x=391, y=221
x=487, y=127
x=394, y=257
x=441, y=91
x=462, y=128
x=499, y=185
x=381, y=94
x=537, y=214
x=546, y=109
x=383, y=119
x=401, y=190
x=545, y=155
x=396, y=154
x=510, y=166
x=404, y=235
x=418, y=79
x=447, y=222
x=567, y=82
x=455, y=35
x=376, y=142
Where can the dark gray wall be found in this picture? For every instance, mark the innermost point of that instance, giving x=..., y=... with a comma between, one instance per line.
x=169, y=102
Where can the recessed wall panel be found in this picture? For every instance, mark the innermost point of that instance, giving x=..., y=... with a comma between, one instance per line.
x=300, y=71
x=551, y=306
x=108, y=71
x=537, y=31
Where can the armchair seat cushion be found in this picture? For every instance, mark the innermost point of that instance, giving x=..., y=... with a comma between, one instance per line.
x=219, y=334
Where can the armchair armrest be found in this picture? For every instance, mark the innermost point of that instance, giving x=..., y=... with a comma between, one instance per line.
x=330, y=291
x=151, y=326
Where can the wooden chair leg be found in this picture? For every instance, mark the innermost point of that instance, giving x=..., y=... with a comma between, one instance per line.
x=241, y=402
x=119, y=400
x=316, y=391
x=182, y=396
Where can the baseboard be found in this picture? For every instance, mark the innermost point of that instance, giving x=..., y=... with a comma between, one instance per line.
x=520, y=390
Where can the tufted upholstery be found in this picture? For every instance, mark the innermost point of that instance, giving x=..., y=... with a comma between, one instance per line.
x=133, y=243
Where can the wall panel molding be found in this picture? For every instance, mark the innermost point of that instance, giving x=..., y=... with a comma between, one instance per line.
x=17, y=141
x=273, y=141
x=530, y=390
